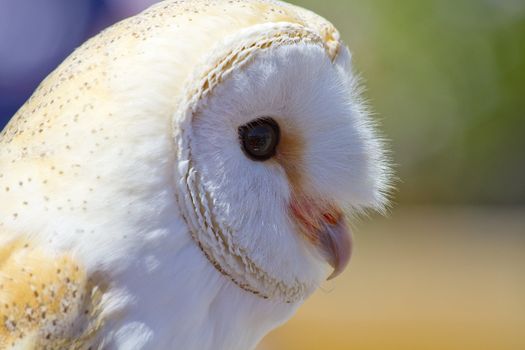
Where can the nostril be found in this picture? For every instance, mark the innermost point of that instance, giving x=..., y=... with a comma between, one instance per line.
x=330, y=219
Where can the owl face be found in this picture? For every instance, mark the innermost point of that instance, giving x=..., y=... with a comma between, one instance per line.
x=275, y=151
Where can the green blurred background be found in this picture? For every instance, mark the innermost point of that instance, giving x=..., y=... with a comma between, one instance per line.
x=446, y=79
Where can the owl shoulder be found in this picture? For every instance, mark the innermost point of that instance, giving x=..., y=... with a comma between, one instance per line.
x=47, y=301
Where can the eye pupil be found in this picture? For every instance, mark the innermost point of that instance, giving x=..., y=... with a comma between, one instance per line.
x=259, y=138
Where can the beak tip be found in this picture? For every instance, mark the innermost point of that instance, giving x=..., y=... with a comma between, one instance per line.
x=337, y=246
x=333, y=275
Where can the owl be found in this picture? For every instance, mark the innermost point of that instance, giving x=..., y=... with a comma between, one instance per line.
x=183, y=180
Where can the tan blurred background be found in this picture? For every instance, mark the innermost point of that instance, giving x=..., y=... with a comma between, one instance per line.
x=425, y=278
x=446, y=80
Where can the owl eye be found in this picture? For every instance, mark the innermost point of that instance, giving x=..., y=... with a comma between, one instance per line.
x=259, y=138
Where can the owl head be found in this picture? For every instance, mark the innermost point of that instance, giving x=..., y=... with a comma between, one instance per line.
x=275, y=151
x=239, y=119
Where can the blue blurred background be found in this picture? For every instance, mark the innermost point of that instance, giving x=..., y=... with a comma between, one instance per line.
x=446, y=80
x=35, y=36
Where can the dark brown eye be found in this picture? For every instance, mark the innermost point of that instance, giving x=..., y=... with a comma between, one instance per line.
x=259, y=138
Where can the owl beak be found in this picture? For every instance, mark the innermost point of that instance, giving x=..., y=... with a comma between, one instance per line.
x=335, y=242
x=327, y=230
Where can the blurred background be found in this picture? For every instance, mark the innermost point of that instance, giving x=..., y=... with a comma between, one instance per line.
x=446, y=80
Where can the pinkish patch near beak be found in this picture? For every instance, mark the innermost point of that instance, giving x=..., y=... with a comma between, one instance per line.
x=327, y=230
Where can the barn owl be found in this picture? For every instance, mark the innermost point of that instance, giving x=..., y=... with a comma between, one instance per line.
x=182, y=180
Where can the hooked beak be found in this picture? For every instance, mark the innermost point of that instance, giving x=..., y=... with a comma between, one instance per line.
x=336, y=245
x=328, y=231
